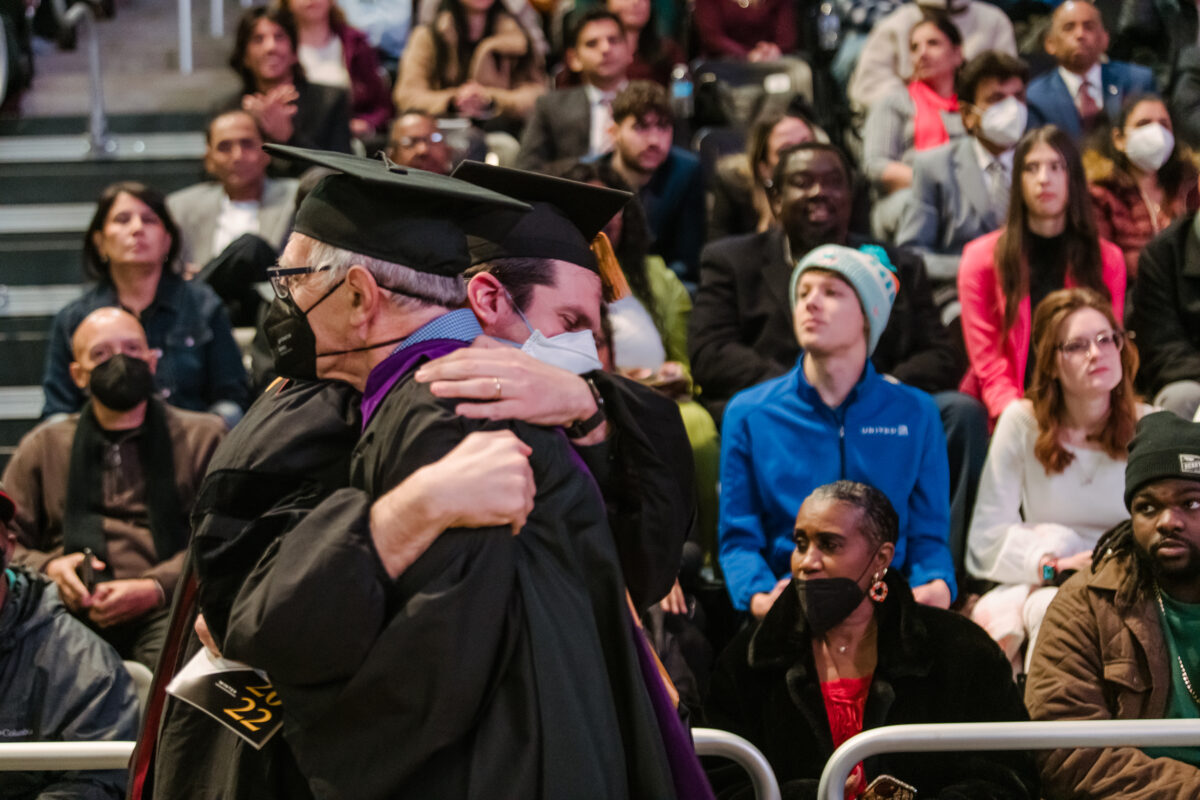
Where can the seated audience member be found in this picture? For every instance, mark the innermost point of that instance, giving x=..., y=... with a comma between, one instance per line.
x=58, y=682
x=667, y=179
x=334, y=54
x=1048, y=243
x=738, y=189
x=568, y=124
x=118, y=478
x=960, y=191
x=474, y=61
x=755, y=30
x=845, y=649
x=1054, y=473
x=288, y=108
x=415, y=141
x=832, y=415
x=886, y=63
x=921, y=116
x=130, y=249
x=1119, y=641
x=1138, y=178
x=233, y=227
x=856, y=19
x=654, y=55
x=742, y=331
x=1166, y=317
x=1082, y=90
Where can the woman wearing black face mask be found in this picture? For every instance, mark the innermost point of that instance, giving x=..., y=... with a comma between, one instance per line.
x=845, y=648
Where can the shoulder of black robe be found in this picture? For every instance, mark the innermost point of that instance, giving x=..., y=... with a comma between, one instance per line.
x=648, y=485
x=496, y=660
x=290, y=451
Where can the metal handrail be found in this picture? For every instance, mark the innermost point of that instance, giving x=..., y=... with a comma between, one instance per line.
x=1001, y=736
x=713, y=742
x=82, y=16
x=51, y=756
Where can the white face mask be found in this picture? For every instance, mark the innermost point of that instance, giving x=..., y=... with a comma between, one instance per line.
x=1149, y=146
x=575, y=351
x=1003, y=123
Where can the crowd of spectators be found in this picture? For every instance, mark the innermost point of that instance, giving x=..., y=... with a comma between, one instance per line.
x=910, y=327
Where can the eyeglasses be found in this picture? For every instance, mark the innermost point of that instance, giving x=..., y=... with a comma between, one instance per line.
x=413, y=141
x=280, y=277
x=1107, y=342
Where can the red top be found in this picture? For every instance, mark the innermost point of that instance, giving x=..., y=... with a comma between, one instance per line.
x=844, y=703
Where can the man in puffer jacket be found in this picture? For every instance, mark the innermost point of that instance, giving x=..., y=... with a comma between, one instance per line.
x=59, y=682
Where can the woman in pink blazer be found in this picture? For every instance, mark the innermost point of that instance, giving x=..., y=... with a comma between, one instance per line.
x=1050, y=242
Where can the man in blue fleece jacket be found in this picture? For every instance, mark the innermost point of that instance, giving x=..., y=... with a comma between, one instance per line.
x=833, y=417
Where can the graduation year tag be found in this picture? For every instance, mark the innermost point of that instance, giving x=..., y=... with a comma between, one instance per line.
x=234, y=694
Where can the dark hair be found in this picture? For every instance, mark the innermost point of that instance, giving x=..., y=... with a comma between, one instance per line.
x=641, y=98
x=97, y=268
x=1011, y=255
x=588, y=17
x=245, y=29
x=1172, y=173
x=229, y=113
x=786, y=153
x=760, y=135
x=461, y=57
x=635, y=241
x=1045, y=391
x=517, y=275
x=988, y=64
x=940, y=20
x=1138, y=582
x=880, y=520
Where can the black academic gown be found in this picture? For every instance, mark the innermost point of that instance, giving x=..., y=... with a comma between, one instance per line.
x=262, y=480
x=496, y=665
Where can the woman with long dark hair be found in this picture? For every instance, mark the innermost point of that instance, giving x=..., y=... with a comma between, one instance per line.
x=1139, y=177
x=474, y=61
x=1049, y=242
x=129, y=249
x=654, y=55
x=335, y=54
x=1055, y=471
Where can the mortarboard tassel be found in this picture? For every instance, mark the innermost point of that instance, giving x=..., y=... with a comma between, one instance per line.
x=611, y=276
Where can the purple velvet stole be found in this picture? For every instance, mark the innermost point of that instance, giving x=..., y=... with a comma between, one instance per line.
x=688, y=775
x=396, y=366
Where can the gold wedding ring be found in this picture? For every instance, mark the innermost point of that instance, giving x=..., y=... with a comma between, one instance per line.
x=497, y=397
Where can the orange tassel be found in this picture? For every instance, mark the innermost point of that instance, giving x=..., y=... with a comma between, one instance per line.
x=612, y=279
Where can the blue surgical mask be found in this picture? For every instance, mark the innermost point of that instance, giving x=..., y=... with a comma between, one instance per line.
x=575, y=351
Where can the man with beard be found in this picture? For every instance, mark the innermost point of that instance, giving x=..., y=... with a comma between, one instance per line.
x=667, y=179
x=1122, y=640
x=466, y=645
x=117, y=479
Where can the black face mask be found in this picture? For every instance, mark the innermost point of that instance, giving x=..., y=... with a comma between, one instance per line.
x=827, y=601
x=293, y=343
x=121, y=382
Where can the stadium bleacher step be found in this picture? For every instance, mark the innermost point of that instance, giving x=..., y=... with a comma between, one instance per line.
x=49, y=183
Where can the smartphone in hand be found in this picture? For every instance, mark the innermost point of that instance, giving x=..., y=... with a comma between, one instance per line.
x=87, y=571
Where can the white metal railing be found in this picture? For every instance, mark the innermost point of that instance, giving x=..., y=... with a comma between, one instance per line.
x=713, y=742
x=1001, y=736
x=50, y=756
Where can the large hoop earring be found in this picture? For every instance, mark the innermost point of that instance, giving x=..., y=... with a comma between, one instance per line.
x=879, y=590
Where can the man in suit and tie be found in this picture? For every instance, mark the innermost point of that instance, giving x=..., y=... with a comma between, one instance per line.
x=1082, y=92
x=242, y=217
x=576, y=122
x=960, y=190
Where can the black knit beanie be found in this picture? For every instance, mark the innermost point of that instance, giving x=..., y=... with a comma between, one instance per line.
x=1165, y=446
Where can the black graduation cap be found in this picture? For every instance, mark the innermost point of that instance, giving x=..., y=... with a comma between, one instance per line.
x=566, y=217
x=406, y=216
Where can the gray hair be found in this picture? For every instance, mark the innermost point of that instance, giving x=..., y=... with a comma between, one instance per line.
x=406, y=286
x=880, y=520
